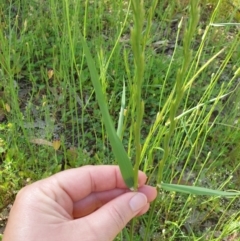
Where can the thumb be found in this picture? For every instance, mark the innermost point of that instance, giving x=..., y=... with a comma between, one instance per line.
x=111, y=218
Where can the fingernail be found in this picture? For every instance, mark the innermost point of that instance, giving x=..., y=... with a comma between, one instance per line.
x=137, y=202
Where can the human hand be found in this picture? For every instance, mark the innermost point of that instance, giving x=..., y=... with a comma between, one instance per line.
x=87, y=203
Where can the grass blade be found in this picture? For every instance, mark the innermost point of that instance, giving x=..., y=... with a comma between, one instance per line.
x=121, y=114
x=196, y=190
x=117, y=147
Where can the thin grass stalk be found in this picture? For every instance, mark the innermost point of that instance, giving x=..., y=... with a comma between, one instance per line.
x=127, y=112
x=138, y=105
x=138, y=42
x=179, y=91
x=179, y=87
x=86, y=2
x=159, y=116
x=202, y=129
x=201, y=47
x=195, y=63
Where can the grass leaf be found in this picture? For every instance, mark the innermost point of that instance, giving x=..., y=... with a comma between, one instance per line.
x=117, y=147
x=121, y=114
x=196, y=190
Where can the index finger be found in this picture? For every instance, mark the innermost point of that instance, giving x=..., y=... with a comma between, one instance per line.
x=80, y=182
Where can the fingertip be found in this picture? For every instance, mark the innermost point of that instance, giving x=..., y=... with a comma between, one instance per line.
x=149, y=191
x=137, y=202
x=142, y=178
x=144, y=210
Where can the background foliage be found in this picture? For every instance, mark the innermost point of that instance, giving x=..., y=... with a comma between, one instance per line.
x=50, y=120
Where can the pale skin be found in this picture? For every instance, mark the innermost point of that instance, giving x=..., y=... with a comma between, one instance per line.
x=89, y=203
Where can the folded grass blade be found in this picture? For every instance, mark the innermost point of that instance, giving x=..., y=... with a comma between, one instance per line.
x=117, y=147
x=197, y=190
x=121, y=114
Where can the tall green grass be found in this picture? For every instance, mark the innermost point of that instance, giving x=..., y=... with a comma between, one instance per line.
x=180, y=122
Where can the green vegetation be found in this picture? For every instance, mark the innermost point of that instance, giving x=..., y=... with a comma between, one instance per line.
x=180, y=120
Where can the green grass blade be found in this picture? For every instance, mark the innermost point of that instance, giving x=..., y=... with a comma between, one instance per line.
x=196, y=190
x=117, y=147
x=121, y=114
